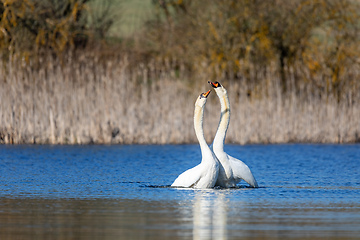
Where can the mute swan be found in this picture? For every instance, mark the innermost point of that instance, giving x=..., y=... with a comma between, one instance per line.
x=231, y=170
x=205, y=174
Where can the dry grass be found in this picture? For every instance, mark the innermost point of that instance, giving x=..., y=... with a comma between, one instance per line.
x=84, y=102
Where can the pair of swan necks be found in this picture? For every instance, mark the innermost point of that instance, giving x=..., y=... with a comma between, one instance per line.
x=217, y=168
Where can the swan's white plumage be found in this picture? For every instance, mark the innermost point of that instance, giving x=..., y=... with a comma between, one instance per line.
x=231, y=170
x=242, y=171
x=188, y=178
x=205, y=174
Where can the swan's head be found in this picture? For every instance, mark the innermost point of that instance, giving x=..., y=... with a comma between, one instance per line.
x=201, y=100
x=219, y=89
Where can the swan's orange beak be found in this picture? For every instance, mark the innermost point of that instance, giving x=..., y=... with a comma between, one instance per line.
x=205, y=95
x=214, y=85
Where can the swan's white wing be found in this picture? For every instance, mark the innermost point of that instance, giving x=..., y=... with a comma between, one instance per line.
x=241, y=170
x=188, y=178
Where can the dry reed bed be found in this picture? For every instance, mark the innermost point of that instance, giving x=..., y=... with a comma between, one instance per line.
x=85, y=102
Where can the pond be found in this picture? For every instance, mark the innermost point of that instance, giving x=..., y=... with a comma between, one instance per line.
x=306, y=191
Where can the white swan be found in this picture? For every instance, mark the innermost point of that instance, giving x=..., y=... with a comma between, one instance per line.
x=205, y=174
x=231, y=170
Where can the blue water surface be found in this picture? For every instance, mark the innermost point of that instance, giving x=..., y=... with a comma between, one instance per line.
x=302, y=187
x=133, y=171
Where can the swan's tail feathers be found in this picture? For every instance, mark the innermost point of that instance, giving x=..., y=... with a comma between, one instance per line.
x=251, y=180
x=242, y=171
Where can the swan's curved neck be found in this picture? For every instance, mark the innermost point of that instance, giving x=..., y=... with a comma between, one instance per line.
x=198, y=126
x=220, y=135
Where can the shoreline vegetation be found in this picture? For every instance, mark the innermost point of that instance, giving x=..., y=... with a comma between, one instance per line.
x=292, y=83
x=86, y=102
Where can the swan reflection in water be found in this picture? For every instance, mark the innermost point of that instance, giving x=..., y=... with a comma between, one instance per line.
x=209, y=215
